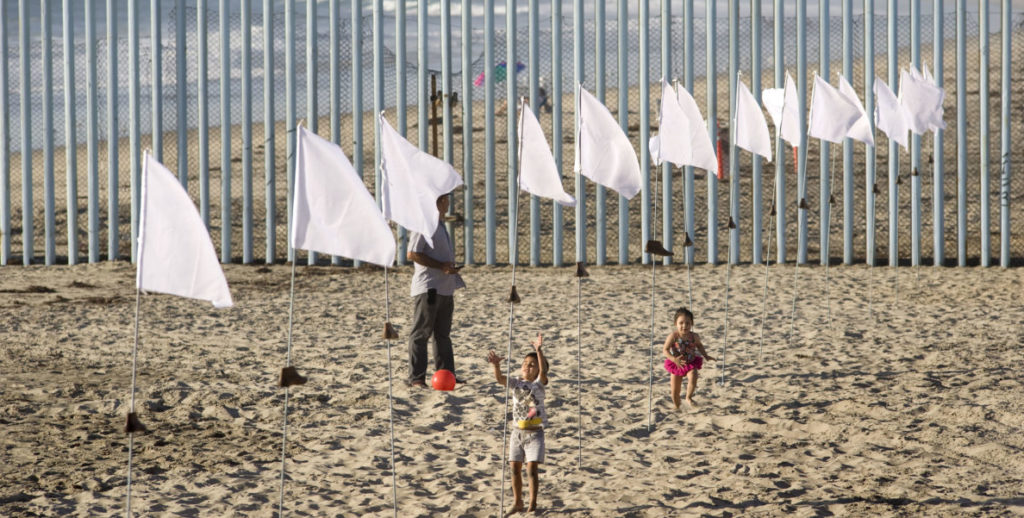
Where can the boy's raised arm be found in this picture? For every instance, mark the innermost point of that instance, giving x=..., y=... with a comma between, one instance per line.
x=540, y=359
x=495, y=360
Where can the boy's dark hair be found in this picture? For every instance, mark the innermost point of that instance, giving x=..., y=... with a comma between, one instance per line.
x=681, y=312
x=544, y=368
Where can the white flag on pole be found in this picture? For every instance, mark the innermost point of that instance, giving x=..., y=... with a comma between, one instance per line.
x=922, y=100
x=538, y=173
x=332, y=211
x=672, y=143
x=411, y=182
x=175, y=254
x=702, y=151
x=783, y=105
x=603, y=152
x=751, y=127
x=890, y=116
x=861, y=129
x=832, y=114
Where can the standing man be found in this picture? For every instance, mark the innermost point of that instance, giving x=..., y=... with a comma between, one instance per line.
x=434, y=281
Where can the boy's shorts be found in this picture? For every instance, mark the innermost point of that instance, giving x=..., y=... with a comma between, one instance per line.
x=526, y=445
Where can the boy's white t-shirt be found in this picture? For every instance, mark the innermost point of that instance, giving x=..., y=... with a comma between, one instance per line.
x=527, y=395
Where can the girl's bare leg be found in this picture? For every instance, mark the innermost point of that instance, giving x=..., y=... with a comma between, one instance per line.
x=532, y=470
x=517, y=487
x=677, y=387
x=691, y=386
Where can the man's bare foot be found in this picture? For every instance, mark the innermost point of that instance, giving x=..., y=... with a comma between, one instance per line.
x=690, y=403
x=532, y=508
x=518, y=508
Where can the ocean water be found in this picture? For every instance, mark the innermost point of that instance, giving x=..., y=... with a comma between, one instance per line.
x=169, y=81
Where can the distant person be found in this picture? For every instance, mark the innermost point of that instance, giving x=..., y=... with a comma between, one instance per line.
x=434, y=281
x=529, y=417
x=684, y=356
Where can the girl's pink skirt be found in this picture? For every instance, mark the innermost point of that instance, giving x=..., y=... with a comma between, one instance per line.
x=676, y=370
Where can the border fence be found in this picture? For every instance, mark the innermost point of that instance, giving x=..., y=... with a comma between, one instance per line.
x=215, y=92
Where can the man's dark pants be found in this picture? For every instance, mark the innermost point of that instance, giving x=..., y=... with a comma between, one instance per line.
x=432, y=316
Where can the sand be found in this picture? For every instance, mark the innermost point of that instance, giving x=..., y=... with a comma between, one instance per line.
x=906, y=408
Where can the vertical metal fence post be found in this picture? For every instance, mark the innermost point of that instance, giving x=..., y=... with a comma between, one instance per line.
x=247, y=101
x=534, y=66
x=203, y=108
x=755, y=84
x=289, y=101
x=915, y=143
x=688, y=74
x=711, y=79
x=556, y=125
x=378, y=89
x=646, y=232
x=489, y=180
x=445, y=94
x=112, y=134
x=27, y=211
x=92, y=131
x=181, y=96
x=983, y=139
x=938, y=151
x=401, y=73
x=49, y=228
x=894, y=149
x=801, y=165
x=156, y=85
x=312, y=90
x=666, y=168
x=467, y=125
x=734, y=156
x=335, y=83
x=5, y=157
x=269, y=118
x=779, y=14
x=134, y=123
x=848, y=143
x=511, y=101
x=70, y=134
x=577, y=74
x=869, y=151
x=1004, y=150
x=824, y=173
x=600, y=221
x=357, y=98
x=225, y=134
x=961, y=132
x=623, y=58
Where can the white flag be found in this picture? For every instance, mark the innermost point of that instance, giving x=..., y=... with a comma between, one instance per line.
x=751, y=128
x=832, y=114
x=861, y=129
x=923, y=101
x=672, y=143
x=603, y=152
x=702, y=151
x=411, y=182
x=890, y=116
x=783, y=104
x=175, y=254
x=332, y=211
x=538, y=173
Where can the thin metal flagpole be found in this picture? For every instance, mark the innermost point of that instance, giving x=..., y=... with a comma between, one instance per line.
x=802, y=206
x=579, y=367
x=132, y=424
x=284, y=433
x=391, y=397
x=768, y=260
x=828, y=250
x=512, y=300
x=650, y=370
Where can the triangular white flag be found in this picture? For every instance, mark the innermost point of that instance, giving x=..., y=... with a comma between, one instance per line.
x=861, y=129
x=411, y=182
x=332, y=211
x=832, y=114
x=538, y=173
x=672, y=142
x=603, y=152
x=923, y=101
x=890, y=116
x=783, y=104
x=751, y=127
x=702, y=151
x=175, y=254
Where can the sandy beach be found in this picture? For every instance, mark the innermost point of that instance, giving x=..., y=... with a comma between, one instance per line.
x=909, y=406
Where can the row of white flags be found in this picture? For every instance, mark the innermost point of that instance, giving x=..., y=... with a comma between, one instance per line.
x=334, y=213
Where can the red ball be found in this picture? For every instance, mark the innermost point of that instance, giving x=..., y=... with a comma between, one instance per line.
x=443, y=380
